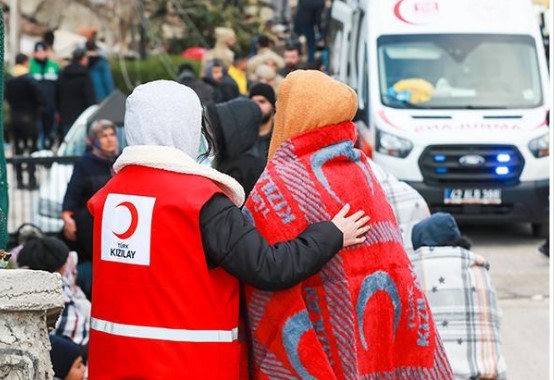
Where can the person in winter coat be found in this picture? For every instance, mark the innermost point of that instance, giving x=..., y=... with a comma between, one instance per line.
x=99, y=71
x=235, y=125
x=89, y=175
x=292, y=58
x=171, y=244
x=45, y=71
x=51, y=255
x=224, y=87
x=263, y=94
x=462, y=298
x=238, y=72
x=186, y=76
x=364, y=315
x=26, y=103
x=75, y=91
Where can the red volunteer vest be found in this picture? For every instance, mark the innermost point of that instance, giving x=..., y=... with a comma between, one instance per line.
x=157, y=311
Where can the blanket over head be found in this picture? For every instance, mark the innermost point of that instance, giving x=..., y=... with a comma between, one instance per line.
x=364, y=316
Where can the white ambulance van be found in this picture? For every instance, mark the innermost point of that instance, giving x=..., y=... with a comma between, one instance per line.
x=454, y=96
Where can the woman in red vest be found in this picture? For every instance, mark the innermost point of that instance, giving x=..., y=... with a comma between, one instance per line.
x=171, y=244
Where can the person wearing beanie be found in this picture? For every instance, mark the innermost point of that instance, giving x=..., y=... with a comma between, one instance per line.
x=90, y=173
x=46, y=72
x=438, y=230
x=51, y=255
x=264, y=95
x=235, y=125
x=67, y=359
x=462, y=298
x=171, y=245
x=364, y=315
x=46, y=253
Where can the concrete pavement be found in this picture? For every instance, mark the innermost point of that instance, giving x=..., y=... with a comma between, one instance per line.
x=521, y=277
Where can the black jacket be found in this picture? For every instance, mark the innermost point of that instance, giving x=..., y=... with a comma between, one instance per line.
x=236, y=125
x=74, y=92
x=204, y=91
x=90, y=174
x=232, y=243
x=225, y=90
x=26, y=102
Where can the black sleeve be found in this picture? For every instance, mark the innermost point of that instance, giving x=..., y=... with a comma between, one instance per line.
x=37, y=94
x=231, y=242
x=90, y=96
x=73, y=198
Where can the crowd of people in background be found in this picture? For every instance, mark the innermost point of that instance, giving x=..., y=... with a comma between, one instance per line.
x=239, y=96
x=46, y=95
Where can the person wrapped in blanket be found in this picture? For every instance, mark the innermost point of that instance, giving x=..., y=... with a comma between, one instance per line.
x=462, y=298
x=363, y=316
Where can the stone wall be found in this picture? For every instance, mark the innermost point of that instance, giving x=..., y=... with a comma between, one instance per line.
x=26, y=298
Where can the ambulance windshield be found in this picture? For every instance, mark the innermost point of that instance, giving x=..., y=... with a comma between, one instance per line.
x=459, y=71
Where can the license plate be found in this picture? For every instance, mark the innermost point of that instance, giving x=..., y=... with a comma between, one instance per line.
x=472, y=196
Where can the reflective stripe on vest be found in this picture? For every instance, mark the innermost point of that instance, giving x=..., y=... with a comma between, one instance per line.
x=161, y=333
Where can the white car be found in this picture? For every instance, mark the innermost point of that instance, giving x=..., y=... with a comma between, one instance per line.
x=46, y=211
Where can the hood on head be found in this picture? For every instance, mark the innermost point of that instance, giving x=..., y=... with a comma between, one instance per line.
x=438, y=230
x=164, y=113
x=208, y=69
x=237, y=123
x=307, y=100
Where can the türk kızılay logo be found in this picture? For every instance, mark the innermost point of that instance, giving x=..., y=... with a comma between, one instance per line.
x=127, y=228
x=417, y=12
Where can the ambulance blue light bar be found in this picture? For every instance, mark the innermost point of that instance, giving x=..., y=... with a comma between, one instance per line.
x=502, y=170
x=503, y=157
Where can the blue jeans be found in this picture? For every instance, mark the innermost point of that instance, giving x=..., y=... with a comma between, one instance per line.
x=47, y=130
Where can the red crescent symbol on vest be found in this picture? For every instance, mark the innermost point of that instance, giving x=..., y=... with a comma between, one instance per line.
x=134, y=221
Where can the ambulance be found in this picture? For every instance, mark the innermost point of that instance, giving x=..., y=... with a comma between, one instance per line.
x=454, y=100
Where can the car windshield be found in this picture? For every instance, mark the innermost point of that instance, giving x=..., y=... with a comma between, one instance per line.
x=466, y=71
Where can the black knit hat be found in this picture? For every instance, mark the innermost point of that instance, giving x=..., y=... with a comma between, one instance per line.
x=39, y=46
x=48, y=254
x=63, y=354
x=264, y=90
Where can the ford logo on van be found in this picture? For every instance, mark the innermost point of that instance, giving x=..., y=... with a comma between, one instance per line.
x=472, y=160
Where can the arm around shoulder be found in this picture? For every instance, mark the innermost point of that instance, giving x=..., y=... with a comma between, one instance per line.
x=231, y=242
